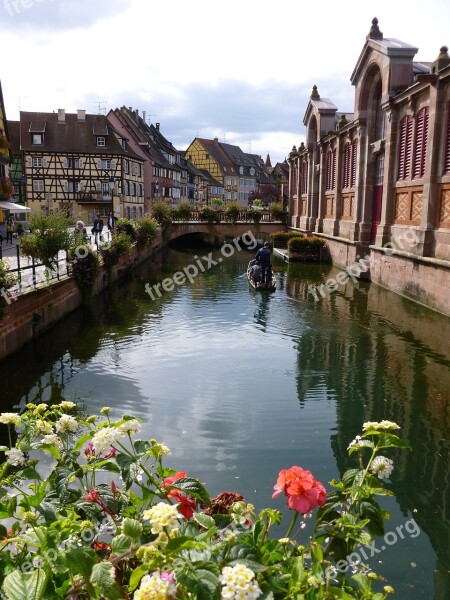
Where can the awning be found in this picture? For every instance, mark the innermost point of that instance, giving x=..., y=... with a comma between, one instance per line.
x=13, y=207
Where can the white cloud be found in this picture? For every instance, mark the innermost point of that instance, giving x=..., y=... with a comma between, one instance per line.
x=244, y=70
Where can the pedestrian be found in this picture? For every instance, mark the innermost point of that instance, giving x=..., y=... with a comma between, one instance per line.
x=111, y=222
x=80, y=229
x=264, y=257
x=9, y=229
x=97, y=229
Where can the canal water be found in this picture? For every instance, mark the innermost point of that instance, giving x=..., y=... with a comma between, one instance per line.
x=241, y=384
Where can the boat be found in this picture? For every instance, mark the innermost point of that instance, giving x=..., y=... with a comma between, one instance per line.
x=271, y=286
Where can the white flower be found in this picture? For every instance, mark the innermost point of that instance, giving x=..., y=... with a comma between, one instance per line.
x=52, y=440
x=238, y=583
x=10, y=418
x=136, y=472
x=132, y=427
x=66, y=423
x=162, y=516
x=160, y=586
x=15, y=456
x=44, y=426
x=67, y=405
x=382, y=467
x=104, y=439
x=40, y=408
x=382, y=425
x=354, y=442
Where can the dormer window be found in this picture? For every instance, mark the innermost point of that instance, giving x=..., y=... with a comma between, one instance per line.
x=37, y=139
x=101, y=141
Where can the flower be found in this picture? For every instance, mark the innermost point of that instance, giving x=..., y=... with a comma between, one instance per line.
x=66, y=423
x=355, y=442
x=10, y=418
x=16, y=457
x=104, y=439
x=44, y=426
x=303, y=491
x=186, y=505
x=162, y=515
x=160, y=586
x=382, y=467
x=382, y=425
x=238, y=582
x=53, y=440
x=40, y=408
x=131, y=427
x=66, y=405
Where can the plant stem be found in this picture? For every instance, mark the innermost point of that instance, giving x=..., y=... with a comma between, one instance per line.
x=291, y=526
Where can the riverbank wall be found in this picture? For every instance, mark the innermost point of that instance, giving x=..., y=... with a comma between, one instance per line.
x=32, y=313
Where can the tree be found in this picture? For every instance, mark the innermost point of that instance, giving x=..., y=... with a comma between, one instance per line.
x=266, y=192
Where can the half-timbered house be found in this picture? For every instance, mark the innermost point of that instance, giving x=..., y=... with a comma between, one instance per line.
x=6, y=187
x=376, y=182
x=78, y=163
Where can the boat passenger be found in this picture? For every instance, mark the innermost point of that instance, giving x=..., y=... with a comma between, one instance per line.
x=256, y=272
x=263, y=255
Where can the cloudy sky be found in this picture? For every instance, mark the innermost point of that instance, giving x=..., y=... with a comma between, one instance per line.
x=240, y=70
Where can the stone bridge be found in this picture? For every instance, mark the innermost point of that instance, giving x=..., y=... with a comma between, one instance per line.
x=223, y=230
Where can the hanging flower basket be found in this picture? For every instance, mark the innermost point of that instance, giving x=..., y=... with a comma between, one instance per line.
x=6, y=187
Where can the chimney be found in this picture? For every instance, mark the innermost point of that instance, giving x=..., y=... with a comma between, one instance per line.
x=61, y=115
x=216, y=140
x=157, y=126
x=136, y=115
x=81, y=115
x=143, y=115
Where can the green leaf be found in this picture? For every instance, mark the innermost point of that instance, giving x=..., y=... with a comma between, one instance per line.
x=103, y=580
x=82, y=440
x=121, y=543
x=132, y=528
x=204, y=520
x=25, y=586
x=80, y=560
x=202, y=583
x=192, y=487
x=389, y=440
x=349, y=476
x=136, y=577
x=363, y=582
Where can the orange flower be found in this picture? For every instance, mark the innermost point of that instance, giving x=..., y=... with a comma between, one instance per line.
x=303, y=491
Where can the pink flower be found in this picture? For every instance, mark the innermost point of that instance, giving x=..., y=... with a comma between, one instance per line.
x=303, y=492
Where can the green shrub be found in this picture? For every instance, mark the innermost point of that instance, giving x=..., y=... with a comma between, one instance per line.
x=209, y=214
x=278, y=212
x=146, y=230
x=254, y=214
x=162, y=212
x=126, y=226
x=280, y=239
x=85, y=266
x=50, y=234
x=7, y=280
x=112, y=251
x=306, y=245
x=183, y=211
x=232, y=211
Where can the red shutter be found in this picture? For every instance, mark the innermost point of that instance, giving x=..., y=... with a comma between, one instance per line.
x=354, y=160
x=420, y=146
x=333, y=177
x=404, y=153
x=329, y=169
x=447, y=144
x=347, y=163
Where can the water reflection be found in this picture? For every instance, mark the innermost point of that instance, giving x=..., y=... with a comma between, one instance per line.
x=241, y=384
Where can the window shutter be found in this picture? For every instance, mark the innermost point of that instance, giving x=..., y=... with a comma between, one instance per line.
x=99, y=164
x=404, y=151
x=408, y=148
x=420, y=148
x=354, y=162
x=113, y=165
x=81, y=186
x=65, y=163
x=44, y=162
x=447, y=144
x=98, y=186
x=81, y=163
x=347, y=162
x=329, y=167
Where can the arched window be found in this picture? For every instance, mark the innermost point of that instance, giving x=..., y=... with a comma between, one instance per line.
x=331, y=170
x=420, y=143
x=404, y=151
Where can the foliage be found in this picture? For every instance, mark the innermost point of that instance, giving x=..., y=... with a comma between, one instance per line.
x=266, y=192
x=126, y=226
x=278, y=211
x=106, y=519
x=7, y=281
x=112, y=251
x=49, y=234
x=232, y=211
x=280, y=239
x=85, y=266
x=209, y=214
x=183, y=211
x=307, y=245
x=146, y=230
x=161, y=211
x=6, y=187
x=254, y=214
